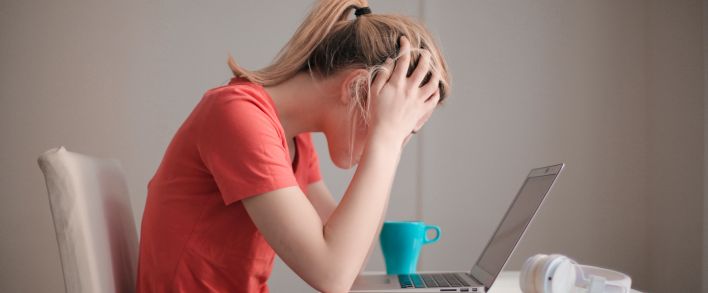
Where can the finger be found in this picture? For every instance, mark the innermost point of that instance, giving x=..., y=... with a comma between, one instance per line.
x=431, y=103
x=403, y=61
x=405, y=141
x=421, y=69
x=382, y=76
x=433, y=85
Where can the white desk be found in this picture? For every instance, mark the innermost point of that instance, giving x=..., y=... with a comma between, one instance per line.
x=507, y=282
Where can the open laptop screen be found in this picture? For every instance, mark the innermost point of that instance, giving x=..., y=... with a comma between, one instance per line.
x=513, y=225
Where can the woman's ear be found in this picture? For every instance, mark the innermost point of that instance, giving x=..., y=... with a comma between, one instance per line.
x=354, y=81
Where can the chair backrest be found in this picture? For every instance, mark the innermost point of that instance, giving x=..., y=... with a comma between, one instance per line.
x=94, y=223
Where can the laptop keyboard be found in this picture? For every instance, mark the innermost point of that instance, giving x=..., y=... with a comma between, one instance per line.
x=431, y=281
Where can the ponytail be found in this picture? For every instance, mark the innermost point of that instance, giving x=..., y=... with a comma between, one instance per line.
x=294, y=55
x=328, y=41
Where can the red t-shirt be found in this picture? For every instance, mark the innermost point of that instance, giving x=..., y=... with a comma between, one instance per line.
x=196, y=235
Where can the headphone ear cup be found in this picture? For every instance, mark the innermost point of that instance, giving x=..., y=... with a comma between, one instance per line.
x=544, y=277
x=563, y=277
x=528, y=270
x=537, y=272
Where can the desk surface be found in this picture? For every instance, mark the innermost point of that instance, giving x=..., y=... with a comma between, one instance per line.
x=508, y=282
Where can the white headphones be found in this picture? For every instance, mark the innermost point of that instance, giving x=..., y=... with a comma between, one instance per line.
x=556, y=273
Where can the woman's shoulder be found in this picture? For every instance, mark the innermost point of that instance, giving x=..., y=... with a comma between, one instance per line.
x=238, y=89
x=240, y=104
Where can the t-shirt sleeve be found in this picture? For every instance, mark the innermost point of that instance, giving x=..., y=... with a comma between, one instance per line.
x=241, y=146
x=314, y=164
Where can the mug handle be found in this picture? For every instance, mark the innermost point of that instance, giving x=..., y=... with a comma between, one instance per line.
x=437, y=234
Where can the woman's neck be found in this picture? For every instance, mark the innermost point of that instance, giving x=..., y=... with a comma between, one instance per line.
x=300, y=102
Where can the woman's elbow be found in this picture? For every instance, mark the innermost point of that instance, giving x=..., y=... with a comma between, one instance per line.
x=334, y=280
x=339, y=286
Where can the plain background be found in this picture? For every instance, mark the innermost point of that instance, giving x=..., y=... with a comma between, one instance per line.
x=615, y=89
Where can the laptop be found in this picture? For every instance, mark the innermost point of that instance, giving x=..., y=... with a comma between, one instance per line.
x=495, y=255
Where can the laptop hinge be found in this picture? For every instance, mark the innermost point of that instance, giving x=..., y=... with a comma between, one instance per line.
x=476, y=280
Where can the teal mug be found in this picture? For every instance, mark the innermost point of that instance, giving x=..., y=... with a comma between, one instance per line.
x=401, y=243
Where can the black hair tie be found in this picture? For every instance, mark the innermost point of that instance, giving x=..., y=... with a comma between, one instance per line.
x=362, y=11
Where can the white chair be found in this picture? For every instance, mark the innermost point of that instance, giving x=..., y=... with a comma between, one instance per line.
x=98, y=242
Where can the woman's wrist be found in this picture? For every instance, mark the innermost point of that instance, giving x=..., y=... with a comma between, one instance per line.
x=385, y=138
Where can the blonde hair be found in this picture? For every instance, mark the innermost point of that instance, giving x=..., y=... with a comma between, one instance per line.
x=328, y=41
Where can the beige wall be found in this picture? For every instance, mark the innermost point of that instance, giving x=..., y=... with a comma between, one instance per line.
x=675, y=95
x=540, y=82
x=705, y=146
x=611, y=88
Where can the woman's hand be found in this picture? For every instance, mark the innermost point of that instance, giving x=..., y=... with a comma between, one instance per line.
x=399, y=105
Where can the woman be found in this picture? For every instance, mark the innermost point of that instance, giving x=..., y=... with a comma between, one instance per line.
x=240, y=180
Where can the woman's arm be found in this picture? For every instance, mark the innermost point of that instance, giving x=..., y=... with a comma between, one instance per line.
x=329, y=255
x=321, y=199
